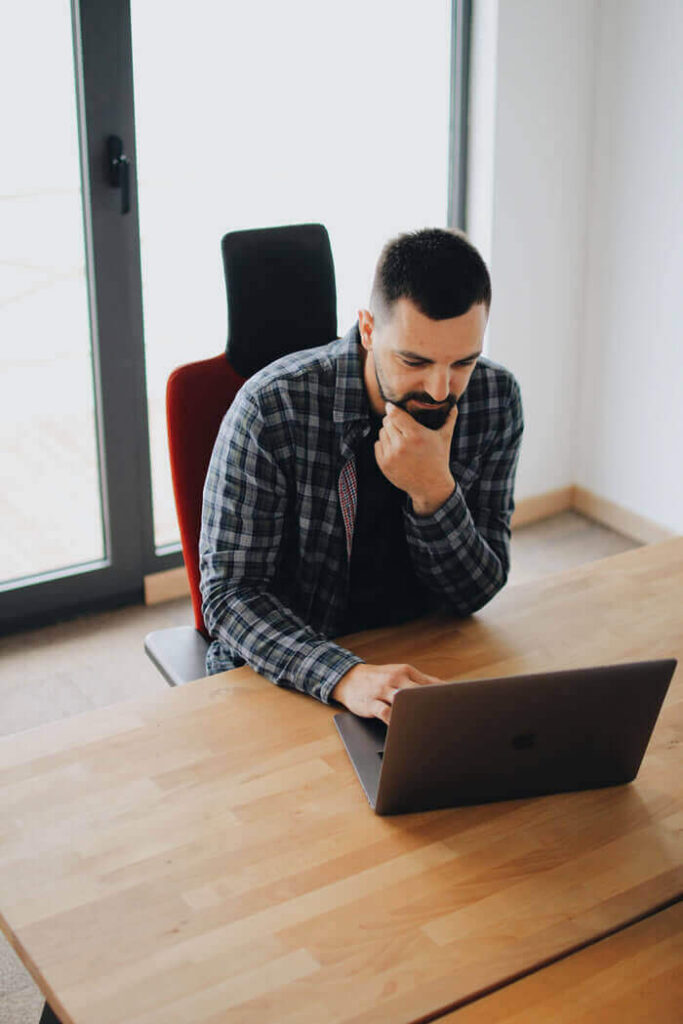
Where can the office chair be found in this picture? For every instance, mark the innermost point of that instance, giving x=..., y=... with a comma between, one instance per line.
x=282, y=298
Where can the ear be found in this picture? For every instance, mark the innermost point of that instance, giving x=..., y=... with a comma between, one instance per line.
x=366, y=326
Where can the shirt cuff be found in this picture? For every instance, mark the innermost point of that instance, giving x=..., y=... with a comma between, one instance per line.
x=321, y=669
x=451, y=515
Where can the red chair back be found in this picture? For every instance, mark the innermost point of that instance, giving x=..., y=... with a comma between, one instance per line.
x=197, y=397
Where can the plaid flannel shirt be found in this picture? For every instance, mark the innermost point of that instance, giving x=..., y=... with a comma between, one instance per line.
x=280, y=502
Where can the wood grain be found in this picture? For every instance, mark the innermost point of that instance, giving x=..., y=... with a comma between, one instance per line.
x=207, y=854
x=633, y=977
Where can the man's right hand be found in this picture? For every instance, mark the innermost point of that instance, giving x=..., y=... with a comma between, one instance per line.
x=369, y=690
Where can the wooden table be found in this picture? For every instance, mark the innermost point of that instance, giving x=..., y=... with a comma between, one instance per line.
x=207, y=854
x=635, y=975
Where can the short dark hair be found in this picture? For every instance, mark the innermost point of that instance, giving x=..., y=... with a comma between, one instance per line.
x=438, y=269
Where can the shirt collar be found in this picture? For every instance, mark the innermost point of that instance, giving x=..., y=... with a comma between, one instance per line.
x=350, y=400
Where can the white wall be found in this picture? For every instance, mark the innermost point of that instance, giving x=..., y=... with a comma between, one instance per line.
x=538, y=207
x=578, y=149
x=482, y=126
x=631, y=395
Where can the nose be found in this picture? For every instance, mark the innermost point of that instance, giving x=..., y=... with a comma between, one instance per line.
x=437, y=383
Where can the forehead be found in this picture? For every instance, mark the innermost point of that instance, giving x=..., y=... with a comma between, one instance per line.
x=439, y=340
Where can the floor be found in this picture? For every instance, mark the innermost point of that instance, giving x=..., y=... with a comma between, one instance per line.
x=93, y=661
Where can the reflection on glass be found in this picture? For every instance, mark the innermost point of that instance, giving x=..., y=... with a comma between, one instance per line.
x=50, y=506
x=251, y=115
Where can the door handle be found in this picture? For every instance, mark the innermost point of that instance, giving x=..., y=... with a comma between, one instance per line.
x=118, y=169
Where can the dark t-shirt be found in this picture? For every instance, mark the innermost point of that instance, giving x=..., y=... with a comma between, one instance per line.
x=383, y=588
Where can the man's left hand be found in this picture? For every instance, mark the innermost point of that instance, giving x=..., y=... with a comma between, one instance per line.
x=416, y=459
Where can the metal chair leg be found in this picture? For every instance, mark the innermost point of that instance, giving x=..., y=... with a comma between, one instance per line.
x=48, y=1016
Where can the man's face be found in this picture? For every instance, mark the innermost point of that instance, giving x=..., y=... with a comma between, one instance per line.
x=419, y=364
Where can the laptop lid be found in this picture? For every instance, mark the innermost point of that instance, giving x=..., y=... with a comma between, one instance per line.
x=497, y=739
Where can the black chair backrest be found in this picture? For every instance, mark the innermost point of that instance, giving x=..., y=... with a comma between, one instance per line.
x=281, y=292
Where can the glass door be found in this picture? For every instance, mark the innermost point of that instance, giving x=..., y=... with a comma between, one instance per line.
x=111, y=217
x=51, y=504
x=254, y=115
x=75, y=510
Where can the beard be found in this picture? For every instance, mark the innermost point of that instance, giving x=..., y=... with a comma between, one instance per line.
x=433, y=419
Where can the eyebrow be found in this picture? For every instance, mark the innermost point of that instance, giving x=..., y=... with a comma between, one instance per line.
x=423, y=359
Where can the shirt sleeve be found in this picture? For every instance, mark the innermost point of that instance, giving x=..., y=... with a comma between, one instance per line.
x=462, y=552
x=243, y=522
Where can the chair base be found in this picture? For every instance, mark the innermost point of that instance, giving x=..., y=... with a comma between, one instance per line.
x=179, y=653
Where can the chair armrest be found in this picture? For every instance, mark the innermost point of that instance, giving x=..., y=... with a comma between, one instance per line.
x=179, y=653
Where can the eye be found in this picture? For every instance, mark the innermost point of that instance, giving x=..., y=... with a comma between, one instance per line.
x=412, y=362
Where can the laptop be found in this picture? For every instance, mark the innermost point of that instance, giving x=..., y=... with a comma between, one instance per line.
x=497, y=739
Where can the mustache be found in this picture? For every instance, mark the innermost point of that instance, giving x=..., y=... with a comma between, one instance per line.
x=422, y=396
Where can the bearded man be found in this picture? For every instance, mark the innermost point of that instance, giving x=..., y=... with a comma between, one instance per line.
x=364, y=483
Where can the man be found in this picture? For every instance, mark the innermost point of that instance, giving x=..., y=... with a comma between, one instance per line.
x=364, y=482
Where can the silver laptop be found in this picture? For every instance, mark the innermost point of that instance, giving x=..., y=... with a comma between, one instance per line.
x=497, y=739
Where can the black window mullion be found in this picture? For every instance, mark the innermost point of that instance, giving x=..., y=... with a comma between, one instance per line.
x=108, y=91
x=461, y=21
